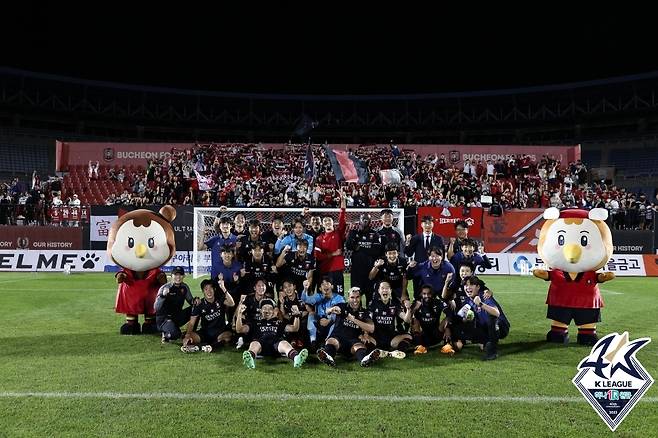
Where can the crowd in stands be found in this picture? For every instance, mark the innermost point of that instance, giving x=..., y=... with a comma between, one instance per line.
x=247, y=175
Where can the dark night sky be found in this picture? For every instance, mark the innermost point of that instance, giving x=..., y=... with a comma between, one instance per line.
x=293, y=49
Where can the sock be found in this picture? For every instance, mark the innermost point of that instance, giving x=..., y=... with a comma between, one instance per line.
x=131, y=319
x=292, y=354
x=252, y=354
x=360, y=354
x=418, y=339
x=586, y=331
x=559, y=330
x=404, y=345
x=149, y=319
x=215, y=345
x=330, y=349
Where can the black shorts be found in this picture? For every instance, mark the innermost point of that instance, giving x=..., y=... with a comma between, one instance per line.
x=346, y=345
x=579, y=316
x=269, y=346
x=210, y=336
x=384, y=341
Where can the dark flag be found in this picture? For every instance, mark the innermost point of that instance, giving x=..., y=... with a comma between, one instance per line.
x=346, y=166
x=309, y=165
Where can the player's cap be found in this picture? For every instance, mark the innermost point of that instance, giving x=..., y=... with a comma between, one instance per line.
x=427, y=218
x=266, y=302
x=387, y=211
x=254, y=223
x=178, y=270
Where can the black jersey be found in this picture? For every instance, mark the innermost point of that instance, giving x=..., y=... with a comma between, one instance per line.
x=246, y=245
x=212, y=315
x=429, y=314
x=288, y=305
x=270, y=239
x=384, y=316
x=387, y=235
x=296, y=269
x=171, y=298
x=344, y=328
x=257, y=270
x=252, y=311
x=365, y=244
x=393, y=273
x=268, y=330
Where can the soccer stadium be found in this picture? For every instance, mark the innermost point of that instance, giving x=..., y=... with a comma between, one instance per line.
x=278, y=247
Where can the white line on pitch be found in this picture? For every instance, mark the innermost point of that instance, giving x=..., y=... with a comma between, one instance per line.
x=297, y=397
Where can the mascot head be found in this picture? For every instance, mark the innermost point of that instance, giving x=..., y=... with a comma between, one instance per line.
x=142, y=240
x=575, y=240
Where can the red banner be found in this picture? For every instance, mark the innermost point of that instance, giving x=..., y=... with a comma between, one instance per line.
x=514, y=231
x=123, y=154
x=445, y=219
x=651, y=265
x=40, y=238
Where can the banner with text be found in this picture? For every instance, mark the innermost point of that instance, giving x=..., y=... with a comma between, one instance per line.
x=36, y=237
x=53, y=261
x=445, y=219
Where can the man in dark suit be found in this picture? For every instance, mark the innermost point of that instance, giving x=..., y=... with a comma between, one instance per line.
x=419, y=245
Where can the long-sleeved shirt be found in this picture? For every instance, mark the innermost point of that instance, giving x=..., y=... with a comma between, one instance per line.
x=171, y=298
x=321, y=303
x=291, y=240
x=477, y=260
x=327, y=243
x=424, y=273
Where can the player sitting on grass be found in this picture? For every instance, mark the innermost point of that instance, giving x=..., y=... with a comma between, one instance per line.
x=292, y=308
x=169, y=313
x=211, y=311
x=268, y=333
x=427, y=327
x=252, y=312
x=352, y=321
x=454, y=296
x=491, y=324
x=320, y=322
x=384, y=312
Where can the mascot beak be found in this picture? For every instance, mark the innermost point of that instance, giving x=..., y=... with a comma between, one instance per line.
x=572, y=252
x=140, y=250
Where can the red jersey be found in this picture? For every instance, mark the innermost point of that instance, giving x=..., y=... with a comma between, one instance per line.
x=326, y=243
x=582, y=293
x=135, y=297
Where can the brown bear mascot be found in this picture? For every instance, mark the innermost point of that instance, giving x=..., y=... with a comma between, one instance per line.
x=574, y=244
x=140, y=242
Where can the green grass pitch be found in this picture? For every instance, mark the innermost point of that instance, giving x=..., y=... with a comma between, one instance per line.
x=59, y=342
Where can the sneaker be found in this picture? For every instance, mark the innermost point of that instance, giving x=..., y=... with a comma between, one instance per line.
x=206, y=348
x=189, y=348
x=372, y=357
x=325, y=358
x=447, y=349
x=240, y=343
x=395, y=354
x=248, y=360
x=300, y=358
x=420, y=350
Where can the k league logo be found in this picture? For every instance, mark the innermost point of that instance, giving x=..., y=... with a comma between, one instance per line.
x=612, y=379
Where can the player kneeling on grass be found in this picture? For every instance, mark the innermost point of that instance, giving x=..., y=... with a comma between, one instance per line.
x=268, y=333
x=169, y=313
x=352, y=322
x=211, y=311
x=384, y=312
x=292, y=309
x=491, y=324
x=427, y=328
